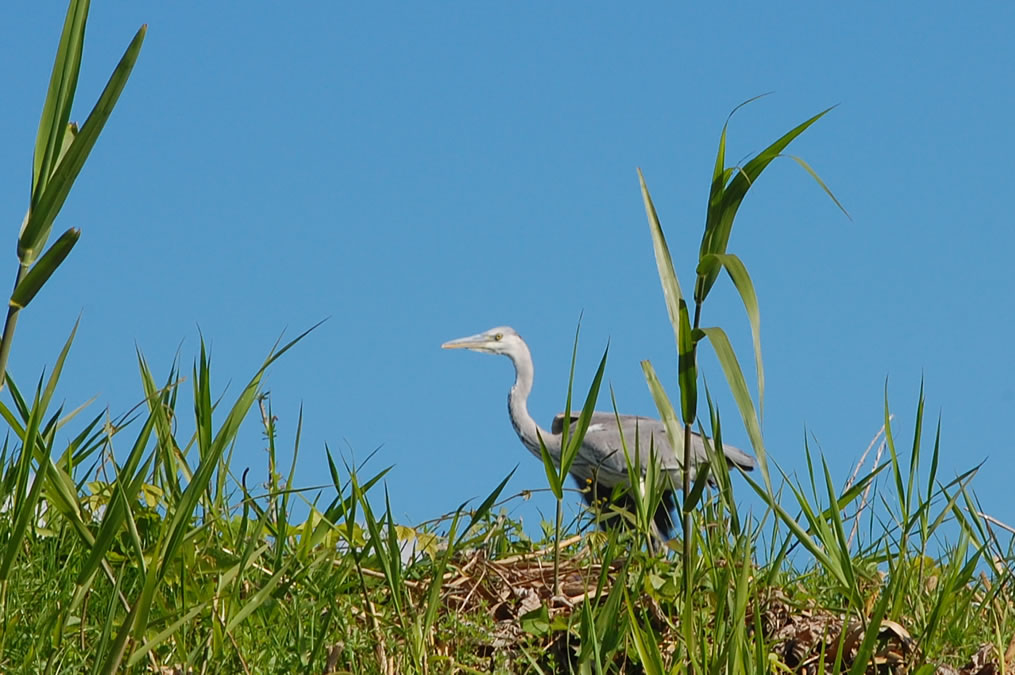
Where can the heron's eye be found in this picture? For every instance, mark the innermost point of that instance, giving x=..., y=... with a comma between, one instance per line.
x=498, y=337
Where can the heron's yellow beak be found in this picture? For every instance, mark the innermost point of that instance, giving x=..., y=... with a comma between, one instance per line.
x=471, y=342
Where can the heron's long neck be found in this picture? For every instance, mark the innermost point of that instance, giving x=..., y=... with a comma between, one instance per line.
x=518, y=408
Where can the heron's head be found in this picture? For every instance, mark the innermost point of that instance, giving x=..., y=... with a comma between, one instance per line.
x=500, y=340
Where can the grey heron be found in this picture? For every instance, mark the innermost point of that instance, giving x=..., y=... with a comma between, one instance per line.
x=600, y=463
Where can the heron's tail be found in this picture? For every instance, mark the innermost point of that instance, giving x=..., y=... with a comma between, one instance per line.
x=738, y=457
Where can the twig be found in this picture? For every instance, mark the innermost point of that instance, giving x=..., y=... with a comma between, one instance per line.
x=537, y=554
x=866, y=492
x=995, y=521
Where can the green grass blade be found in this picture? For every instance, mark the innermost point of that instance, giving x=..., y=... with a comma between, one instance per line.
x=166, y=633
x=870, y=638
x=720, y=178
x=263, y=594
x=24, y=511
x=480, y=512
x=817, y=179
x=644, y=643
x=209, y=463
x=43, y=269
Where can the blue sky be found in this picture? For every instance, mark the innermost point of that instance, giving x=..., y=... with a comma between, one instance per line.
x=422, y=171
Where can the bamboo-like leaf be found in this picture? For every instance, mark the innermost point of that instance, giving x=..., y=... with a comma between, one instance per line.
x=722, y=211
x=817, y=179
x=552, y=477
x=574, y=443
x=742, y=281
x=720, y=177
x=735, y=379
x=43, y=269
x=666, y=412
x=47, y=205
x=687, y=370
x=664, y=264
x=697, y=488
x=60, y=97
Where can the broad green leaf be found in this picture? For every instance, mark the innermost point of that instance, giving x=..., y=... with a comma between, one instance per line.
x=60, y=97
x=817, y=179
x=735, y=379
x=43, y=269
x=722, y=211
x=551, y=469
x=664, y=264
x=536, y=621
x=574, y=443
x=687, y=371
x=720, y=177
x=47, y=205
x=666, y=412
x=742, y=281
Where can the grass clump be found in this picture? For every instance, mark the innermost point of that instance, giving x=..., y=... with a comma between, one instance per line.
x=245, y=588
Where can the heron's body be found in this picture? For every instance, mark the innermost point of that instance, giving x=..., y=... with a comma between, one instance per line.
x=600, y=463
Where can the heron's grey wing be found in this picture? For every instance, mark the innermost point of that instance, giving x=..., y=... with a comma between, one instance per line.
x=557, y=426
x=602, y=452
x=601, y=421
x=654, y=431
x=642, y=436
